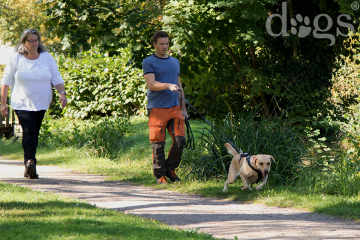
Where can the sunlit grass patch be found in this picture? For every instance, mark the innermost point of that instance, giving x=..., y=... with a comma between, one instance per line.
x=26, y=214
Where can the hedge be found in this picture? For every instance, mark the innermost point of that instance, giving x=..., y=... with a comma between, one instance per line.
x=98, y=85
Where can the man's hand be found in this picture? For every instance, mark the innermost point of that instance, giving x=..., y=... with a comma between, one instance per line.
x=185, y=114
x=174, y=87
x=4, y=110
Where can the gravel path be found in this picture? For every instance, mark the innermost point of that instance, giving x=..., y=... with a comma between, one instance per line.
x=222, y=219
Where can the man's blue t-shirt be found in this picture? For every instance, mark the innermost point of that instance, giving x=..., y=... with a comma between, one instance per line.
x=166, y=70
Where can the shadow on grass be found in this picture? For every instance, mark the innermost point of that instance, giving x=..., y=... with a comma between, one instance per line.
x=343, y=208
x=234, y=193
x=62, y=220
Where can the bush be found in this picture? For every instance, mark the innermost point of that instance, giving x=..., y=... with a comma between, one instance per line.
x=99, y=86
x=337, y=172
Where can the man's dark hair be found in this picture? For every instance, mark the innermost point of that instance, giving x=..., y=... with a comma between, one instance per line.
x=159, y=34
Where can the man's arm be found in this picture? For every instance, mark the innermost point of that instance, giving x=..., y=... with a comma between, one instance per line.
x=158, y=86
x=182, y=100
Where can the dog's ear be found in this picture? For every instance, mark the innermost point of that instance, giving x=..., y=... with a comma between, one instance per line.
x=255, y=160
x=272, y=158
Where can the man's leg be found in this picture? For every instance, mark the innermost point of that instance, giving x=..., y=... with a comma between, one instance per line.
x=157, y=140
x=178, y=144
x=176, y=129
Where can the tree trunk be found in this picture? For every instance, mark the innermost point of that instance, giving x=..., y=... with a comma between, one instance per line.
x=291, y=12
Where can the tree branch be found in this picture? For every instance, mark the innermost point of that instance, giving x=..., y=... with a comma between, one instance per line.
x=291, y=12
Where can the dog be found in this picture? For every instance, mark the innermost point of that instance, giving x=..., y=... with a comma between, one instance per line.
x=260, y=165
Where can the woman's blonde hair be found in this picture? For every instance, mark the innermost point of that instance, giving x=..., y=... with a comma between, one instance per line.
x=22, y=49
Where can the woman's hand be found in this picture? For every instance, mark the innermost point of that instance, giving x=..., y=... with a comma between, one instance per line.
x=63, y=100
x=4, y=110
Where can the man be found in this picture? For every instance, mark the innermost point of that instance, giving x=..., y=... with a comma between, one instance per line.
x=162, y=76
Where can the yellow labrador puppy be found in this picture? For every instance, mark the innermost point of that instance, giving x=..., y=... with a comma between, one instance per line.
x=251, y=169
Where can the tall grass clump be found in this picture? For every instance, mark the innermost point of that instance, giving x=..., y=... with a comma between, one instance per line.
x=253, y=135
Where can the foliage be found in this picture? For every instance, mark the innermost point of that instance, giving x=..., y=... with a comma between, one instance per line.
x=101, y=138
x=226, y=54
x=337, y=172
x=227, y=46
x=273, y=136
x=336, y=176
x=346, y=89
x=108, y=24
x=2, y=67
x=18, y=15
x=98, y=85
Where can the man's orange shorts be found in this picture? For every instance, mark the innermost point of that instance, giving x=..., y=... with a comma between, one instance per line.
x=173, y=120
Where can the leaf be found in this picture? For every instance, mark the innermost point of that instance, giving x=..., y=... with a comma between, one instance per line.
x=221, y=4
x=168, y=20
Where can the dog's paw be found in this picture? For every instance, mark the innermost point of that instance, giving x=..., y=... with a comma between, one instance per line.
x=246, y=187
x=258, y=188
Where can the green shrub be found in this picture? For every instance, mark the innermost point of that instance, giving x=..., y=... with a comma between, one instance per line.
x=99, y=86
x=338, y=171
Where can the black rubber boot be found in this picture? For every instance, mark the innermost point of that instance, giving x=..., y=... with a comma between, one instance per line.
x=30, y=169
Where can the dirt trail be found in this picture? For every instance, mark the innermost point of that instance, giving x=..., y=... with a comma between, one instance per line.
x=220, y=218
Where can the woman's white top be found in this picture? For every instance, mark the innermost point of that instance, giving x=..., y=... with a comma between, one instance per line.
x=31, y=81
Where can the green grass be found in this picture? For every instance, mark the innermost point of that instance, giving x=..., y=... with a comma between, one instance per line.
x=134, y=164
x=26, y=214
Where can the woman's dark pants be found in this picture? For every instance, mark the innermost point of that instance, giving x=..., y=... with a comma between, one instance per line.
x=30, y=122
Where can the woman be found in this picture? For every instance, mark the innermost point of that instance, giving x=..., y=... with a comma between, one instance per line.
x=30, y=73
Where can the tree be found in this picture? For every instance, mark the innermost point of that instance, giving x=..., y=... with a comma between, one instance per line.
x=276, y=73
x=82, y=24
x=18, y=15
x=227, y=53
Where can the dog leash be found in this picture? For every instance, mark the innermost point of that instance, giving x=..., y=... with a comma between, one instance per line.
x=190, y=142
x=232, y=144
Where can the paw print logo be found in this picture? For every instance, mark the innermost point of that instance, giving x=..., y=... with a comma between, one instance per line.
x=303, y=30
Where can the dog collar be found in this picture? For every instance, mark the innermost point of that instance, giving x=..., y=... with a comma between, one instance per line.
x=260, y=176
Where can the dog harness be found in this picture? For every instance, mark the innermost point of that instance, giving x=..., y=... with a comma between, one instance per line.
x=248, y=156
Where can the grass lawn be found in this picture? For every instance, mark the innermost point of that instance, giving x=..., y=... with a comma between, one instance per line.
x=27, y=214
x=134, y=164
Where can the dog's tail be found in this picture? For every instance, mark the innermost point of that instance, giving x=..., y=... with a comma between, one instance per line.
x=230, y=149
